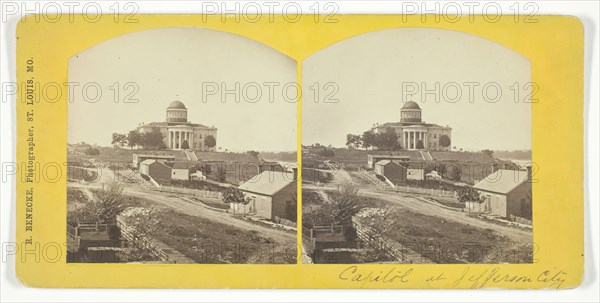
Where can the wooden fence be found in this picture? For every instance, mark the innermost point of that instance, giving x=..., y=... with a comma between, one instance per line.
x=310, y=233
x=427, y=191
x=75, y=231
x=191, y=191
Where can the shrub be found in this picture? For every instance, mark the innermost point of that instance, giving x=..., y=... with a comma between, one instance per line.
x=92, y=151
x=326, y=153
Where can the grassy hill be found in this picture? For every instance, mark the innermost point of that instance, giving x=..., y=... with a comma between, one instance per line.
x=118, y=155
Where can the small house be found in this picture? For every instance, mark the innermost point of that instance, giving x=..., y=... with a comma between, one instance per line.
x=139, y=158
x=155, y=169
x=180, y=171
x=391, y=170
x=507, y=193
x=271, y=194
x=415, y=170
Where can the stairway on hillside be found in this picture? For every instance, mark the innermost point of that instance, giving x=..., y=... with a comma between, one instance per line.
x=426, y=155
x=191, y=156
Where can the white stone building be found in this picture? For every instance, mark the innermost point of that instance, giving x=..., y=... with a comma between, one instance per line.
x=411, y=130
x=177, y=130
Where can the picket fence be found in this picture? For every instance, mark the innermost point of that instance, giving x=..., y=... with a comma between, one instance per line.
x=191, y=191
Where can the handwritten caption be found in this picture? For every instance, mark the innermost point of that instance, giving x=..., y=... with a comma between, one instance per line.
x=467, y=277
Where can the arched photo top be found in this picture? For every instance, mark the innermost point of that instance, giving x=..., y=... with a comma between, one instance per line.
x=206, y=33
x=477, y=87
x=226, y=81
x=434, y=33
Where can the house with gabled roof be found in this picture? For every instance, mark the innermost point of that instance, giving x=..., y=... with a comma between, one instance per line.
x=507, y=193
x=271, y=194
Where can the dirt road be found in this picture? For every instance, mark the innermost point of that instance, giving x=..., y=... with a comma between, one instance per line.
x=191, y=208
x=412, y=204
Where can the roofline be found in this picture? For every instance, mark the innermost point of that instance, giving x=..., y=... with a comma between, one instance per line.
x=265, y=194
x=496, y=192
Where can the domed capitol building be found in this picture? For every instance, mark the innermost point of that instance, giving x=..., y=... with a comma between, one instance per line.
x=411, y=129
x=177, y=130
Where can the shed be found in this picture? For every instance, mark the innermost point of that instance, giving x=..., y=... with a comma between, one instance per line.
x=155, y=169
x=180, y=171
x=271, y=194
x=391, y=170
x=507, y=193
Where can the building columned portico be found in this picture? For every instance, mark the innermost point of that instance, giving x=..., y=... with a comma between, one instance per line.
x=177, y=137
x=411, y=137
x=411, y=130
x=178, y=131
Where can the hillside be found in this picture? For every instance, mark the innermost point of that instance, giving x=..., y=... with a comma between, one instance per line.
x=118, y=155
x=359, y=157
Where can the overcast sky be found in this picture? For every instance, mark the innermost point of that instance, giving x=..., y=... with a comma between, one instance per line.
x=186, y=64
x=373, y=71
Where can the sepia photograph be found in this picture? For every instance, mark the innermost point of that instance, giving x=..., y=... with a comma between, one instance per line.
x=310, y=148
x=182, y=149
x=416, y=148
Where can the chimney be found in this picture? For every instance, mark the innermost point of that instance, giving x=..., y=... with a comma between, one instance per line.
x=528, y=172
x=295, y=173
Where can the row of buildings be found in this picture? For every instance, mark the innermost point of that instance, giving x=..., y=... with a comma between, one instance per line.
x=271, y=193
x=505, y=193
x=160, y=170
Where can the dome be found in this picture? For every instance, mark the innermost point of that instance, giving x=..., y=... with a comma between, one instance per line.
x=411, y=105
x=178, y=105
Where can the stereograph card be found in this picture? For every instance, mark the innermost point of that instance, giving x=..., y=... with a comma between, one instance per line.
x=368, y=151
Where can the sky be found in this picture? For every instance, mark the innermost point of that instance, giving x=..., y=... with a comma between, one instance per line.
x=368, y=78
x=197, y=66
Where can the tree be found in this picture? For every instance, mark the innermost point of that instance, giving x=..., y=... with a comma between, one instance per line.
x=109, y=203
x=210, y=141
x=185, y=145
x=154, y=139
x=92, y=151
x=253, y=153
x=326, y=152
x=369, y=139
x=420, y=144
x=388, y=140
x=454, y=172
x=444, y=141
x=353, y=141
x=134, y=138
x=119, y=140
x=234, y=195
x=440, y=168
x=469, y=194
x=488, y=152
x=343, y=204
